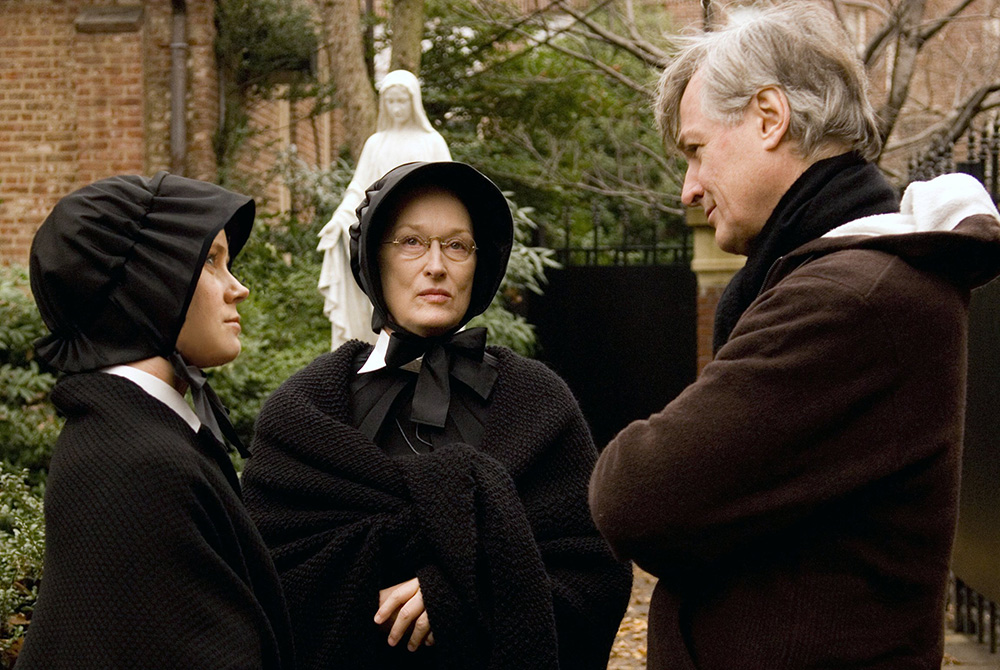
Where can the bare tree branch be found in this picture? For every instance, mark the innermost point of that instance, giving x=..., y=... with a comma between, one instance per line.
x=600, y=65
x=904, y=22
x=641, y=49
x=907, y=47
x=963, y=116
x=955, y=124
x=506, y=26
x=912, y=37
x=933, y=29
x=629, y=21
x=882, y=36
x=550, y=42
x=598, y=180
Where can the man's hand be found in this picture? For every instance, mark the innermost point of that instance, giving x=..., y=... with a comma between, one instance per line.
x=400, y=607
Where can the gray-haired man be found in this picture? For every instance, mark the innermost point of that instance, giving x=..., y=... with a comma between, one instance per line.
x=798, y=501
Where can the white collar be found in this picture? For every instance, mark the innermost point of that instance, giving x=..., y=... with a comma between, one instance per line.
x=159, y=389
x=376, y=359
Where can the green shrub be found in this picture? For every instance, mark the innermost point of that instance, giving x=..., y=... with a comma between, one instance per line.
x=283, y=323
x=28, y=422
x=22, y=547
x=525, y=272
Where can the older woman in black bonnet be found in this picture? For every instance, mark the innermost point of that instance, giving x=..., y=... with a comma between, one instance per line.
x=425, y=499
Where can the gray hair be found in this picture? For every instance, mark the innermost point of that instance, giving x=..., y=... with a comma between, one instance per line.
x=796, y=47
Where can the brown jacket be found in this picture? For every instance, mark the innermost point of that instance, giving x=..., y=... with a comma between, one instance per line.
x=798, y=501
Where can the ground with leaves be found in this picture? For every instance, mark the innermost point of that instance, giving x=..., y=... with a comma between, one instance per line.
x=629, y=650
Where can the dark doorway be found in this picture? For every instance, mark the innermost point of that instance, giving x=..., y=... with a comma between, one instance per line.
x=623, y=338
x=977, y=544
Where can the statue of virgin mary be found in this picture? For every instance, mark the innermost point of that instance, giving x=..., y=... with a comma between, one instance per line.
x=403, y=135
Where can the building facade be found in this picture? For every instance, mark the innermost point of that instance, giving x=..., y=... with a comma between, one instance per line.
x=85, y=93
x=92, y=88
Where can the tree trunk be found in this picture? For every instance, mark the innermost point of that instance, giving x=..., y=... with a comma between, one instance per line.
x=407, y=25
x=707, y=15
x=907, y=48
x=354, y=92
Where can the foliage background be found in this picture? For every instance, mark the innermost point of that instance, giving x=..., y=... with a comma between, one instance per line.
x=577, y=147
x=28, y=423
x=22, y=546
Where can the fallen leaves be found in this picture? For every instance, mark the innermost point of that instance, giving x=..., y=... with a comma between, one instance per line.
x=629, y=649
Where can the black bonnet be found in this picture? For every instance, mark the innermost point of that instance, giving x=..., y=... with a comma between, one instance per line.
x=492, y=227
x=114, y=266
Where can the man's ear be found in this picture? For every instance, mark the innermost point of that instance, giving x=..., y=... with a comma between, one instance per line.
x=772, y=115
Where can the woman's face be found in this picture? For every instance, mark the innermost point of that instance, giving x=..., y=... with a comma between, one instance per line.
x=398, y=104
x=427, y=295
x=210, y=335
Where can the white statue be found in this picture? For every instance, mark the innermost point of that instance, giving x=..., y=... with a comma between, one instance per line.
x=403, y=134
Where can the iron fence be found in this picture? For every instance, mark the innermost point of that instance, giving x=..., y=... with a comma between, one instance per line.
x=664, y=240
x=981, y=149
x=975, y=614
x=975, y=586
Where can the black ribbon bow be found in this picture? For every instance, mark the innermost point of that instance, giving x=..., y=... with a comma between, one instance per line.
x=459, y=355
x=207, y=405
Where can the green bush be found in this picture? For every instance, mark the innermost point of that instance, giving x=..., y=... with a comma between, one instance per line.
x=525, y=272
x=283, y=323
x=28, y=422
x=22, y=546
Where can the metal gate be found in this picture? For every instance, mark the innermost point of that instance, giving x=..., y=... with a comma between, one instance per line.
x=621, y=335
x=976, y=556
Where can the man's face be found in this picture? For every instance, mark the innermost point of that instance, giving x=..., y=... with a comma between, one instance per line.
x=727, y=171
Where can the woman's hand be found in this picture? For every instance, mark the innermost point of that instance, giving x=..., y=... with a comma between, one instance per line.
x=401, y=606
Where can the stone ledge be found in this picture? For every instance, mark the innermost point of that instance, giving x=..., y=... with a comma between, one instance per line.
x=964, y=650
x=127, y=19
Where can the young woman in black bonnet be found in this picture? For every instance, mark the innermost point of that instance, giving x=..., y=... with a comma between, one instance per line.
x=425, y=499
x=151, y=560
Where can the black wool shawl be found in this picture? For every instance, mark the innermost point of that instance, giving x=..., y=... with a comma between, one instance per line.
x=512, y=570
x=151, y=560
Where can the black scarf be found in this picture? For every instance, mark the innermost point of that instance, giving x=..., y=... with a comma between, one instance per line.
x=829, y=193
x=457, y=354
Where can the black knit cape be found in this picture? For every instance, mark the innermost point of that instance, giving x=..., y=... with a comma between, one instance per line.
x=513, y=572
x=151, y=560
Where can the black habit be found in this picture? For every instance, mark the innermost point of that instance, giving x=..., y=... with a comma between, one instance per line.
x=511, y=568
x=151, y=560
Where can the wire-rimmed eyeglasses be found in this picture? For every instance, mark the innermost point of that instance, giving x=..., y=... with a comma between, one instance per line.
x=457, y=249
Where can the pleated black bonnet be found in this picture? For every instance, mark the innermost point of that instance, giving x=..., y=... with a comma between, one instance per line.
x=114, y=266
x=492, y=228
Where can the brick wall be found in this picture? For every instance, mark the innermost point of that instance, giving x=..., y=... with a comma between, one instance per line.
x=708, y=300
x=38, y=141
x=106, y=91
x=277, y=125
x=86, y=95
x=203, y=94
